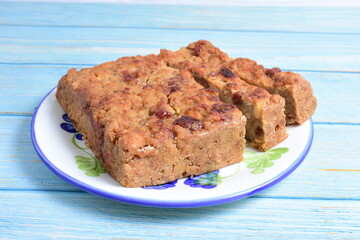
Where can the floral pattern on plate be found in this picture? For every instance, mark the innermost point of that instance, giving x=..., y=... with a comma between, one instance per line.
x=163, y=186
x=207, y=180
x=63, y=151
x=259, y=161
x=90, y=164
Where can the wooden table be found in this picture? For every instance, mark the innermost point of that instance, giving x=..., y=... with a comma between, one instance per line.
x=39, y=42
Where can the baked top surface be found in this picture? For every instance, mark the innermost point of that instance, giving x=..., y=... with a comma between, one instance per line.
x=144, y=102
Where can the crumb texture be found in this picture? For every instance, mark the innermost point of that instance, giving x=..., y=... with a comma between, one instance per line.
x=156, y=118
x=149, y=123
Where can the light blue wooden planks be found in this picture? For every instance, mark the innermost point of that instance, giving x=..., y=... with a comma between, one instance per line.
x=64, y=215
x=230, y=18
x=20, y=166
x=39, y=42
x=329, y=159
x=328, y=52
x=27, y=84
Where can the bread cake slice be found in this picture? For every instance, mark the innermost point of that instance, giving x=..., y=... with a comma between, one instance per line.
x=300, y=103
x=265, y=125
x=150, y=124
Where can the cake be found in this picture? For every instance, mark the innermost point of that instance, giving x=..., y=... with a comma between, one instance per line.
x=149, y=123
x=300, y=102
x=157, y=118
x=265, y=127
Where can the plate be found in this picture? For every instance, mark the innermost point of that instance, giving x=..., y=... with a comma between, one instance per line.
x=62, y=150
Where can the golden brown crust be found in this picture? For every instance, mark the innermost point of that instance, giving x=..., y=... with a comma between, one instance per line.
x=264, y=112
x=150, y=124
x=297, y=91
x=300, y=103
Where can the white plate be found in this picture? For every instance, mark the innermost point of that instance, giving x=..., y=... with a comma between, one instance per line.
x=68, y=158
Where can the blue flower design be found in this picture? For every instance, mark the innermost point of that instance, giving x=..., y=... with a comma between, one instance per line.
x=69, y=126
x=206, y=181
x=162, y=186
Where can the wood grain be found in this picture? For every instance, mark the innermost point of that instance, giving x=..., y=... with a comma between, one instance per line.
x=67, y=215
x=39, y=42
x=232, y=18
x=94, y=45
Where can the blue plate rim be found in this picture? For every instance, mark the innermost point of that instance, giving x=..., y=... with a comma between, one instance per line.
x=166, y=204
